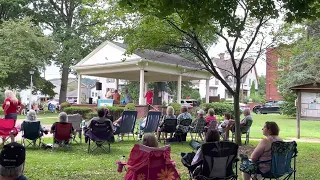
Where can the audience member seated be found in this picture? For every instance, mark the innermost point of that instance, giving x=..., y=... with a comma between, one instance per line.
x=148, y=161
x=199, y=124
x=63, y=119
x=169, y=115
x=183, y=116
x=223, y=126
x=142, y=124
x=32, y=117
x=211, y=117
x=244, y=123
x=263, y=151
x=102, y=118
x=195, y=159
x=12, y=160
x=150, y=140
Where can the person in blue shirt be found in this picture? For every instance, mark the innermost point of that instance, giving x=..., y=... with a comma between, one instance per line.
x=127, y=97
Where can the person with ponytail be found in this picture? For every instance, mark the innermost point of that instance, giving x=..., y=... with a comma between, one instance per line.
x=11, y=105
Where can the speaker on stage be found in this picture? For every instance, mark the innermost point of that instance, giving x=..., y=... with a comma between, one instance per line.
x=90, y=100
x=98, y=86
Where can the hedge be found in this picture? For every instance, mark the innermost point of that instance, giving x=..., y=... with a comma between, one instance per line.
x=78, y=110
x=176, y=107
x=113, y=110
x=64, y=105
x=219, y=108
x=130, y=106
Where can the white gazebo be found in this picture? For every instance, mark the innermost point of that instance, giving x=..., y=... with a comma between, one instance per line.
x=109, y=60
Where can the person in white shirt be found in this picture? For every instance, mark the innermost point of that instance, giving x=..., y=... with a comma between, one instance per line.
x=222, y=127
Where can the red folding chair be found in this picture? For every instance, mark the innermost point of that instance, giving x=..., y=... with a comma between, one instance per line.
x=62, y=135
x=7, y=129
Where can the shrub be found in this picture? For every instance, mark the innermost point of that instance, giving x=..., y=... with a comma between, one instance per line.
x=64, y=105
x=78, y=110
x=115, y=111
x=219, y=108
x=176, y=107
x=130, y=106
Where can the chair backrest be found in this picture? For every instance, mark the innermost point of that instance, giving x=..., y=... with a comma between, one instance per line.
x=282, y=154
x=128, y=121
x=6, y=125
x=75, y=120
x=152, y=121
x=151, y=163
x=31, y=129
x=212, y=125
x=110, y=117
x=63, y=131
x=170, y=125
x=100, y=126
x=247, y=127
x=218, y=159
x=185, y=122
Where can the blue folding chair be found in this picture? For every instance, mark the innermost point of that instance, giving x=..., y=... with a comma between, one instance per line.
x=128, y=121
x=152, y=122
x=281, y=155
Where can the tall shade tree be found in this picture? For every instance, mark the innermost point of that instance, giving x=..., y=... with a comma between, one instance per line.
x=12, y=9
x=72, y=27
x=193, y=26
x=23, y=48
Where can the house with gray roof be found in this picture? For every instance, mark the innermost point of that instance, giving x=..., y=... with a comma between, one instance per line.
x=225, y=70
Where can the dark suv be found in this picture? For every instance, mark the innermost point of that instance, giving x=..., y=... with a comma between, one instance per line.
x=269, y=107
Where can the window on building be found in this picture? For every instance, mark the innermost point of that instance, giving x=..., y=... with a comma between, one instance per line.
x=216, y=81
x=250, y=83
x=96, y=94
x=92, y=94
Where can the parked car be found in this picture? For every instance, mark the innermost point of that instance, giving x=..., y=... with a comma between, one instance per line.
x=242, y=106
x=189, y=102
x=267, y=108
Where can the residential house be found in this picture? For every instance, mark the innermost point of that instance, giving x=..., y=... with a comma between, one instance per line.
x=225, y=68
x=272, y=68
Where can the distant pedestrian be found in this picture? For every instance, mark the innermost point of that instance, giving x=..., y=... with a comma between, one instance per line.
x=149, y=96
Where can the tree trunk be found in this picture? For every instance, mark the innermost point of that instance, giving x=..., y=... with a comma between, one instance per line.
x=64, y=84
x=236, y=101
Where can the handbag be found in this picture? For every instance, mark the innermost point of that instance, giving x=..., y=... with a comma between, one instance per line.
x=247, y=166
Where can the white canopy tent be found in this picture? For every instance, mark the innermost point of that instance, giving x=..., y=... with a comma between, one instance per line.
x=108, y=60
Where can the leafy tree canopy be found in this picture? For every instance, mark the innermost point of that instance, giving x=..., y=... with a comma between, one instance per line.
x=23, y=48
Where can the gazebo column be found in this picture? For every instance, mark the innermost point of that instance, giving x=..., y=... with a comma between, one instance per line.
x=179, y=90
x=79, y=89
x=116, y=84
x=207, y=90
x=141, y=90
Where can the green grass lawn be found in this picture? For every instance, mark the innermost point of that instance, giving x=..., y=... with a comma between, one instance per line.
x=288, y=127
x=78, y=164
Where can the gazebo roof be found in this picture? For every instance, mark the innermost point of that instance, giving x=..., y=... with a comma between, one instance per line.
x=108, y=60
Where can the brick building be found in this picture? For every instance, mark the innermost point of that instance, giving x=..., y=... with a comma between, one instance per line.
x=272, y=75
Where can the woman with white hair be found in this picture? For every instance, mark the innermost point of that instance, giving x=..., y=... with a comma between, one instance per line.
x=11, y=105
x=32, y=117
x=169, y=115
x=63, y=119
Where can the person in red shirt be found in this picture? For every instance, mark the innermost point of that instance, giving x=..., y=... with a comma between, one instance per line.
x=11, y=105
x=149, y=96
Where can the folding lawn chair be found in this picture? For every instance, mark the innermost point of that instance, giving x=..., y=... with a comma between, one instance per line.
x=62, y=135
x=282, y=154
x=152, y=122
x=150, y=163
x=31, y=133
x=76, y=120
x=7, y=129
x=180, y=135
x=128, y=122
x=169, y=126
x=244, y=130
x=198, y=129
x=100, y=134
